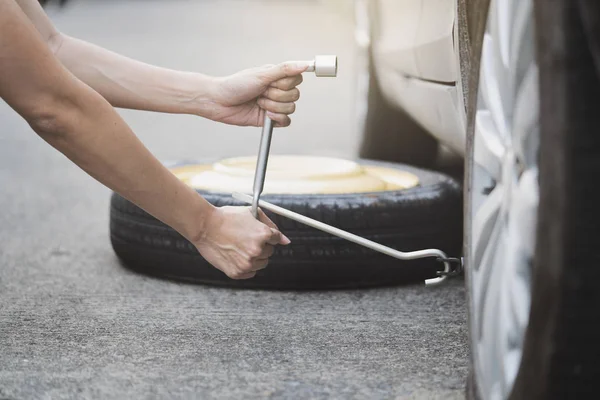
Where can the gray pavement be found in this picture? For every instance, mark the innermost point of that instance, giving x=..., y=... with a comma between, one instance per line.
x=75, y=324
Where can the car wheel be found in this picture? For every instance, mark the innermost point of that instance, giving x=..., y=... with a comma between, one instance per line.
x=397, y=205
x=531, y=221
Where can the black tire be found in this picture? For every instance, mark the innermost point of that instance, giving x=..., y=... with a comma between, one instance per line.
x=561, y=350
x=390, y=134
x=429, y=215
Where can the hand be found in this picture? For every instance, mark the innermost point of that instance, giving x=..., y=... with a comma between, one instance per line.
x=243, y=98
x=237, y=244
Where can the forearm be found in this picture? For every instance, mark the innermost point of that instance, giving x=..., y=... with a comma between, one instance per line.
x=94, y=136
x=80, y=123
x=127, y=83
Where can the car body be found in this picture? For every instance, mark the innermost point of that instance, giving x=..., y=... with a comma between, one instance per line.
x=414, y=49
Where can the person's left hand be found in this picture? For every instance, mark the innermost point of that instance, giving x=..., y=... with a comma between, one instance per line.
x=244, y=97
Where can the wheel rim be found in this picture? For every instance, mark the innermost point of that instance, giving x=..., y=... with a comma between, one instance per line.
x=503, y=196
x=296, y=174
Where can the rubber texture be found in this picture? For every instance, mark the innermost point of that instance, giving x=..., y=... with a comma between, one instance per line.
x=561, y=348
x=426, y=216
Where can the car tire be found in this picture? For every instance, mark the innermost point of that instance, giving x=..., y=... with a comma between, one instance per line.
x=428, y=215
x=559, y=353
x=390, y=134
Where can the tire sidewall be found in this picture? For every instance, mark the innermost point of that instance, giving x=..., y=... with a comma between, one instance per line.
x=531, y=380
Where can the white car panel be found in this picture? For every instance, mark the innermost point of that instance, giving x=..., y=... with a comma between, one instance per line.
x=434, y=47
x=416, y=38
x=438, y=108
x=398, y=28
x=417, y=63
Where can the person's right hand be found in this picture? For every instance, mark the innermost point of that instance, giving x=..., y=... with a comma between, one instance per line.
x=238, y=244
x=244, y=97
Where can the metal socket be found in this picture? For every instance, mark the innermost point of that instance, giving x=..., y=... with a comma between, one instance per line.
x=324, y=66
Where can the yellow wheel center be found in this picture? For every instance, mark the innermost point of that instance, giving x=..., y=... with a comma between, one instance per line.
x=295, y=175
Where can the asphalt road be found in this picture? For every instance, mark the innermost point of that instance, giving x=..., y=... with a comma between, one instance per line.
x=75, y=324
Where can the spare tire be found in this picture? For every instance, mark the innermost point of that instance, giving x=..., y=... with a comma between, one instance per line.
x=427, y=215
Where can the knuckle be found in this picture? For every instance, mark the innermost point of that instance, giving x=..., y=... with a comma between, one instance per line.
x=234, y=274
x=266, y=233
x=255, y=251
x=284, y=84
x=245, y=267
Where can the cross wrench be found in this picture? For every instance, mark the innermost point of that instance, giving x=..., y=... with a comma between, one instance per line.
x=411, y=255
x=327, y=66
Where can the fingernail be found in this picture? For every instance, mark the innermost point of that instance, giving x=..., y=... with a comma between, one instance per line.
x=286, y=240
x=302, y=65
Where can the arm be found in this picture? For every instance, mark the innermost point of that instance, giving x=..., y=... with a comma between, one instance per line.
x=122, y=81
x=127, y=83
x=83, y=126
x=80, y=123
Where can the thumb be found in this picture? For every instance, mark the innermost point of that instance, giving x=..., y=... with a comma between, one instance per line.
x=282, y=239
x=286, y=69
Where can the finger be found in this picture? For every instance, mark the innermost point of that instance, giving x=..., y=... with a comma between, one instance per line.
x=286, y=69
x=247, y=275
x=267, y=221
x=257, y=265
x=275, y=107
x=281, y=120
x=287, y=83
x=282, y=96
x=267, y=252
x=274, y=238
x=262, y=217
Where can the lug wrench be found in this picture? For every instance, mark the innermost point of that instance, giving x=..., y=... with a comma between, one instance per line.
x=322, y=66
x=411, y=255
x=327, y=66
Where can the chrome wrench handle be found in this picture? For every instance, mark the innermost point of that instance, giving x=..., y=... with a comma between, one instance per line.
x=411, y=255
x=261, y=163
x=323, y=65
